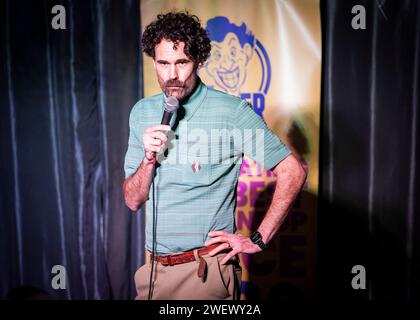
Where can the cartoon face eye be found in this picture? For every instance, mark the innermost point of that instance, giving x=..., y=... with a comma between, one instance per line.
x=233, y=51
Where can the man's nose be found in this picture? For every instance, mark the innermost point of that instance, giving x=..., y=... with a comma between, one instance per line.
x=173, y=73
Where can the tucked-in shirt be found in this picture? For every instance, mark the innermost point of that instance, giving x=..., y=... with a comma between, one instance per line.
x=196, y=178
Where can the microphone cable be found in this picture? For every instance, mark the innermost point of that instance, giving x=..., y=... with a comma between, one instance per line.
x=154, y=226
x=171, y=106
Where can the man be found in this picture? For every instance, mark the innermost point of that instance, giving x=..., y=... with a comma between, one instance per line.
x=194, y=193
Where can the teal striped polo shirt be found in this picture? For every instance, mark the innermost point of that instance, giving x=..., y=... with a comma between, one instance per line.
x=196, y=178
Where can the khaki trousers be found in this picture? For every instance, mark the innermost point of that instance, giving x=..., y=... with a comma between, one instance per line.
x=181, y=281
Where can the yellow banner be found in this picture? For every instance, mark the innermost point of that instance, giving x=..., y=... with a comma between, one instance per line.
x=269, y=53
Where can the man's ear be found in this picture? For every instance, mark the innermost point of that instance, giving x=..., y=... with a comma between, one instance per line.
x=154, y=63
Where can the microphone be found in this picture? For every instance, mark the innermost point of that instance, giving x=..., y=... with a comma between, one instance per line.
x=171, y=106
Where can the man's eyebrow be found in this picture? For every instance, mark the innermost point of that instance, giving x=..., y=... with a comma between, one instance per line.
x=182, y=60
x=177, y=61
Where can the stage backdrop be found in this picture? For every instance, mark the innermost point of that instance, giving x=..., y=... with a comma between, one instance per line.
x=275, y=65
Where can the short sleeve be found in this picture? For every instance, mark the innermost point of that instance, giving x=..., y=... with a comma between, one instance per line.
x=260, y=143
x=135, y=151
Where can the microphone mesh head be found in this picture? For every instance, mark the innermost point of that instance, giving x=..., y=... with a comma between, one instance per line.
x=172, y=104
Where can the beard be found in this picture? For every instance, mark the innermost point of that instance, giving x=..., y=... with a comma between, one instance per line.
x=179, y=89
x=174, y=88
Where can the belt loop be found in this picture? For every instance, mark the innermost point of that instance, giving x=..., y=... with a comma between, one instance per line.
x=196, y=256
x=202, y=266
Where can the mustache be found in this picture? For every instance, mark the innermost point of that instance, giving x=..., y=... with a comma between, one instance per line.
x=174, y=83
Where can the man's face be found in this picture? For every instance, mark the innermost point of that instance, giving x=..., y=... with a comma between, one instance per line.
x=176, y=72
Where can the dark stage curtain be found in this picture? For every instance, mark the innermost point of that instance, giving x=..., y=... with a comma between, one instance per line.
x=65, y=101
x=369, y=211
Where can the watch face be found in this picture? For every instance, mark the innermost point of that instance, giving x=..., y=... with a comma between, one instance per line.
x=255, y=236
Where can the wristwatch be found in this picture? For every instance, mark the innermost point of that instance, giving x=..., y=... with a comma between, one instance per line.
x=257, y=239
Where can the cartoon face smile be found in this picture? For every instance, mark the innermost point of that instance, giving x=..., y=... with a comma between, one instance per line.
x=230, y=78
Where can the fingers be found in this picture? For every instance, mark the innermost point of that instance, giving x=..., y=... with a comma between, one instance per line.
x=151, y=148
x=154, y=140
x=224, y=238
x=222, y=247
x=229, y=256
x=216, y=240
x=153, y=145
x=158, y=135
x=159, y=127
x=217, y=233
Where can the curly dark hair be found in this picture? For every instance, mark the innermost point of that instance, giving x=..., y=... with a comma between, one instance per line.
x=178, y=27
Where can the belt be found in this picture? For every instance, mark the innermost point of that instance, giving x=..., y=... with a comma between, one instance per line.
x=188, y=256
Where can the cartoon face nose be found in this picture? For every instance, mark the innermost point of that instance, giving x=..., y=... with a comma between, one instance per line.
x=227, y=63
